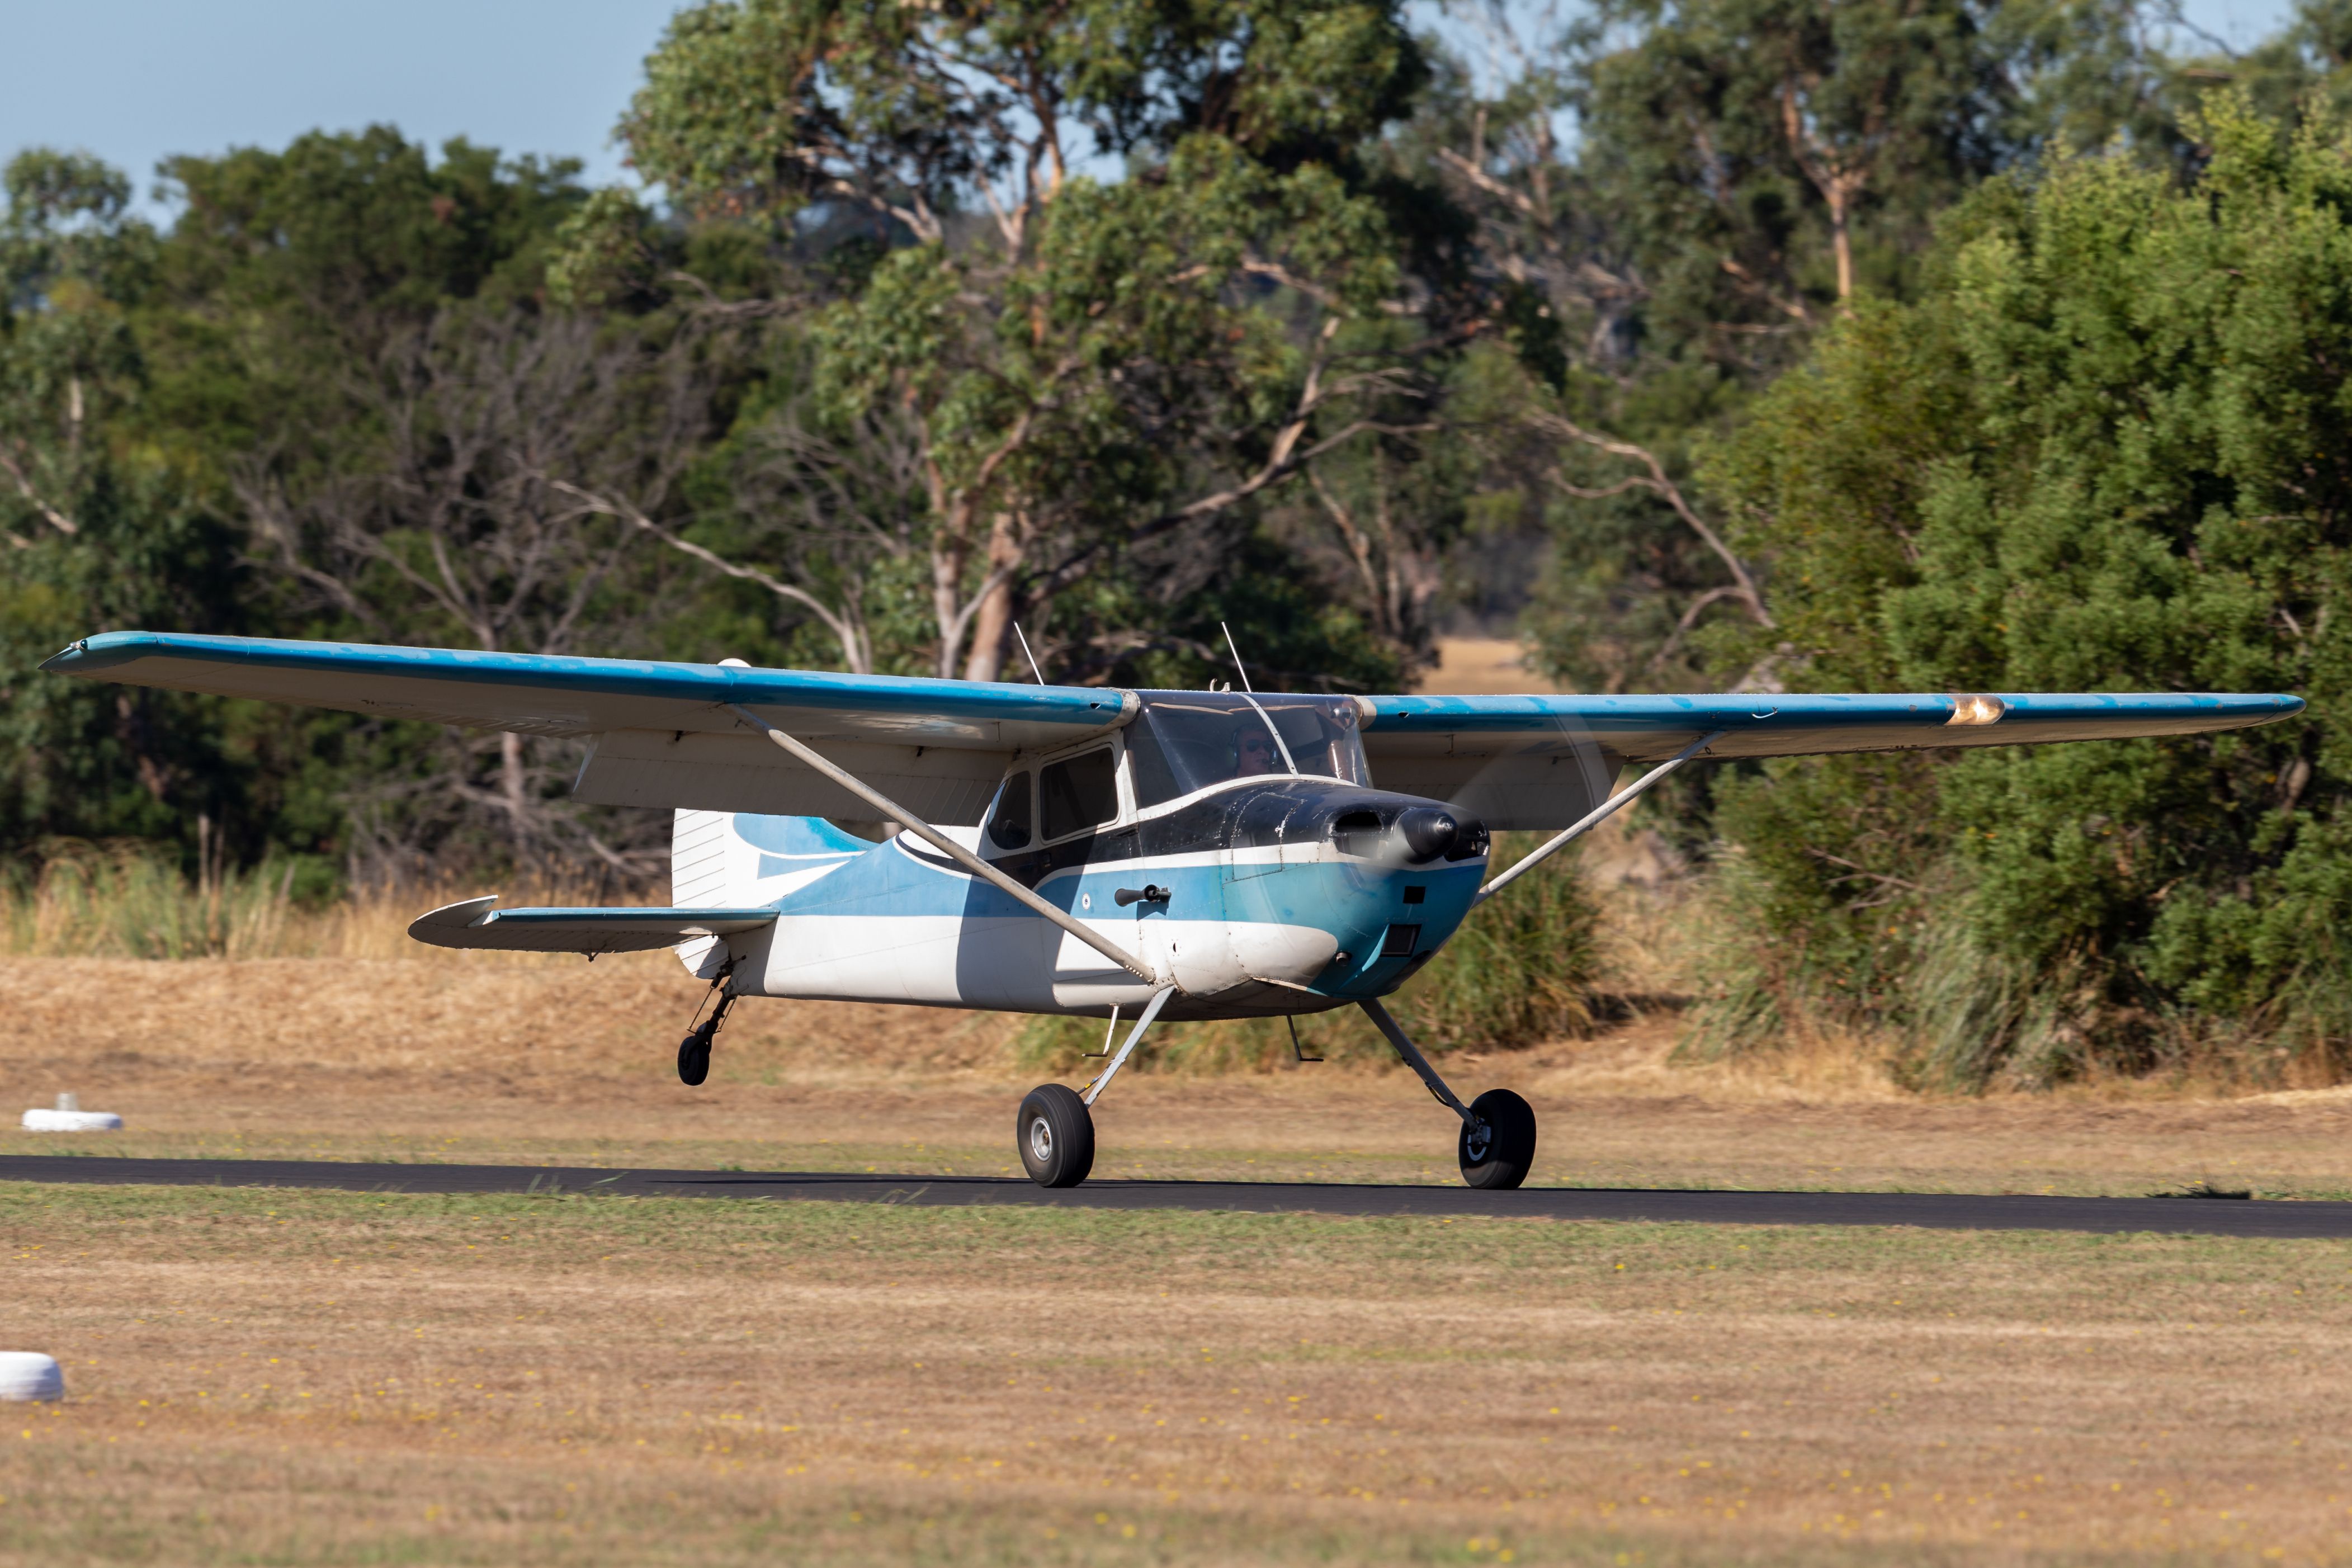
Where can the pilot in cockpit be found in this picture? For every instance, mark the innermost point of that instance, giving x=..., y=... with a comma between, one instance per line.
x=1253, y=754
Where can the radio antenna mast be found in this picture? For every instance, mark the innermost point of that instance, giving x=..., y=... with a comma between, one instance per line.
x=1237, y=656
x=1027, y=655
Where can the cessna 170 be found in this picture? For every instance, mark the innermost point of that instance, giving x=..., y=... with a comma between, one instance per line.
x=1080, y=850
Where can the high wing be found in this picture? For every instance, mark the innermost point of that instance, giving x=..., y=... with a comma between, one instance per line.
x=662, y=734
x=1540, y=762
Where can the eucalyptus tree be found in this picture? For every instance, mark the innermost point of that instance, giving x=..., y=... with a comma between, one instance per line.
x=1118, y=270
x=1688, y=192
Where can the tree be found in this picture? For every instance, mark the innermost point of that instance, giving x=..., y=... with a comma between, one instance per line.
x=2103, y=452
x=519, y=458
x=1740, y=171
x=96, y=531
x=1085, y=363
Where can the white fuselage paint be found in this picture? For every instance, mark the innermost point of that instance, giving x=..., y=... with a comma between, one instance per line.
x=1019, y=963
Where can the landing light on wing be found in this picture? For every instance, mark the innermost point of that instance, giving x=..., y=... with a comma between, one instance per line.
x=1976, y=708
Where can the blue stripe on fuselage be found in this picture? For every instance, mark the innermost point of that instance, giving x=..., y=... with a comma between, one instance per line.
x=1355, y=900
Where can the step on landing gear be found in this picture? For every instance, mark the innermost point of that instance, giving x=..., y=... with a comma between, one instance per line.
x=694, y=1052
x=1056, y=1129
x=1498, y=1146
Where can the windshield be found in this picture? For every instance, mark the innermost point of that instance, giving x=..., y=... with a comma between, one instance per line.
x=1186, y=741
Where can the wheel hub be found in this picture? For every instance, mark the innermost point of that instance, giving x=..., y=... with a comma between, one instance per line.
x=1041, y=1140
x=1478, y=1140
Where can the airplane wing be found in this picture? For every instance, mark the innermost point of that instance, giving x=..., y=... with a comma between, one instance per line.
x=1541, y=761
x=475, y=924
x=662, y=733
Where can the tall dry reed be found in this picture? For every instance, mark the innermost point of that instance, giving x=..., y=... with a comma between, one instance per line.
x=126, y=900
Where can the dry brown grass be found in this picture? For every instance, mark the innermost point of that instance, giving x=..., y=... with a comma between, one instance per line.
x=319, y=1377
x=473, y=1057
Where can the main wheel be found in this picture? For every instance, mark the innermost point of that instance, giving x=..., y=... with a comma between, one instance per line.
x=694, y=1057
x=1498, y=1150
x=1056, y=1136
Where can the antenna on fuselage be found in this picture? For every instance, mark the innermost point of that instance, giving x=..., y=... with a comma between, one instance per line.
x=1027, y=655
x=1249, y=694
x=1237, y=656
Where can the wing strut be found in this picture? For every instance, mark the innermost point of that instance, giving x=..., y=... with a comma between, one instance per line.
x=948, y=846
x=1597, y=815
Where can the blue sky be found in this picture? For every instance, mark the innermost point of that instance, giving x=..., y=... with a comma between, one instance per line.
x=135, y=80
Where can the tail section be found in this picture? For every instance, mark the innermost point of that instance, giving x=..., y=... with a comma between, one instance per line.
x=698, y=842
x=732, y=860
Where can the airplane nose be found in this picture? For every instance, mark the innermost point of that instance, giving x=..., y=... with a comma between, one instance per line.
x=1427, y=832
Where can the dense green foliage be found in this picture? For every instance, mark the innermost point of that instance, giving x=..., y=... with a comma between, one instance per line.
x=2104, y=450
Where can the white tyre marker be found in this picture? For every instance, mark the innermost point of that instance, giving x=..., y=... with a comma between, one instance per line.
x=28, y=1374
x=70, y=1117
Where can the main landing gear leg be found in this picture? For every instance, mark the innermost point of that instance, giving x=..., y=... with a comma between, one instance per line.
x=694, y=1052
x=1499, y=1129
x=1056, y=1129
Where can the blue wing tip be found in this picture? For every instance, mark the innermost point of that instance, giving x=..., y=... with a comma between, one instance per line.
x=69, y=659
x=100, y=650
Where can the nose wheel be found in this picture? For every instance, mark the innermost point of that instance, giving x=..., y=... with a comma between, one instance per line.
x=1498, y=1146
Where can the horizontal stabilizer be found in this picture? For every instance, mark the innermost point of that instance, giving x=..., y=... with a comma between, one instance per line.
x=475, y=924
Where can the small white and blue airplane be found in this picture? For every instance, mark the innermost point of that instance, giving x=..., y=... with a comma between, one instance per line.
x=1083, y=852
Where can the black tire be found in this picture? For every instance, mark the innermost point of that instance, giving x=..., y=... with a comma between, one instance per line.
x=694, y=1058
x=1056, y=1136
x=1497, y=1154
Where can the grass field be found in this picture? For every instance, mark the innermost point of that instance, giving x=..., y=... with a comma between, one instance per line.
x=309, y=1377
x=334, y=1378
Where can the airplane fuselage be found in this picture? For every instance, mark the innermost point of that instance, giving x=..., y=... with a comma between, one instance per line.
x=1265, y=896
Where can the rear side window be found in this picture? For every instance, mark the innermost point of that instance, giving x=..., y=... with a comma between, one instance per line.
x=1077, y=793
x=1010, y=825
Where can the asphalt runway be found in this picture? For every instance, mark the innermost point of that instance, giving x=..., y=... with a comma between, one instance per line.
x=1939, y=1211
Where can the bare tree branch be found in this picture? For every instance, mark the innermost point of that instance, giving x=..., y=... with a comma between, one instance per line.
x=845, y=632
x=1658, y=484
x=55, y=518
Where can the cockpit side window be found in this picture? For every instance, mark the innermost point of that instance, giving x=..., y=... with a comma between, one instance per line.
x=1009, y=828
x=1077, y=793
x=1187, y=740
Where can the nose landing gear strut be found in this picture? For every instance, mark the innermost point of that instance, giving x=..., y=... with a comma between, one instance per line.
x=1498, y=1147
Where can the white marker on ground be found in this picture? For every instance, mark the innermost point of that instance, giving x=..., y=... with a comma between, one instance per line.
x=28, y=1374
x=70, y=1117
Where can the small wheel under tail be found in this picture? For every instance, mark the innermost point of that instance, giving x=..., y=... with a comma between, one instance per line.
x=1055, y=1135
x=694, y=1056
x=1498, y=1147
